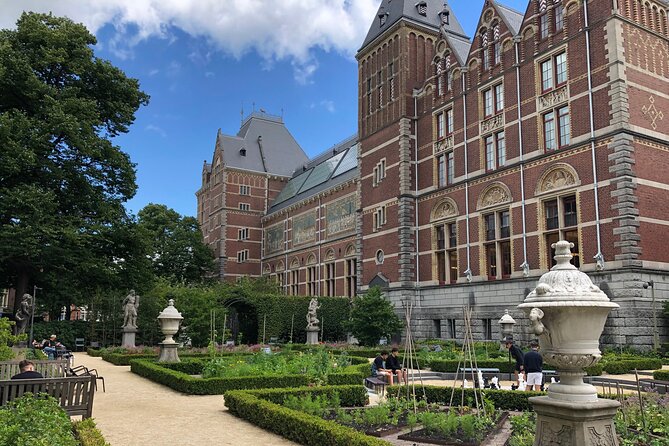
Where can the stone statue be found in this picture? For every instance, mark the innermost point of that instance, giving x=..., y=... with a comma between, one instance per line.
x=130, y=306
x=312, y=321
x=23, y=313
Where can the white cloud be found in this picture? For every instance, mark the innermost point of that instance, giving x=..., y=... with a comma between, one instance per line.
x=156, y=129
x=209, y=74
x=328, y=105
x=286, y=29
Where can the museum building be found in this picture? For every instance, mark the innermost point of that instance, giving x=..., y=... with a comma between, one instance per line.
x=474, y=154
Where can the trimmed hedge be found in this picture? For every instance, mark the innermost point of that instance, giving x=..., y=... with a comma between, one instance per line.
x=185, y=383
x=623, y=366
x=296, y=426
x=88, y=434
x=595, y=370
x=503, y=399
x=451, y=365
x=662, y=375
x=125, y=358
x=94, y=352
x=178, y=377
x=349, y=395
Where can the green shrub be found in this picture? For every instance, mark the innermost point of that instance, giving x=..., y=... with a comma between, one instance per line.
x=185, y=383
x=662, y=375
x=88, y=434
x=451, y=365
x=6, y=339
x=523, y=428
x=623, y=366
x=594, y=370
x=296, y=426
x=125, y=358
x=349, y=395
x=502, y=399
x=30, y=421
x=67, y=331
x=94, y=352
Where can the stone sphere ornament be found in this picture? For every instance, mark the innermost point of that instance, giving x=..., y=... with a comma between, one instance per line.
x=568, y=312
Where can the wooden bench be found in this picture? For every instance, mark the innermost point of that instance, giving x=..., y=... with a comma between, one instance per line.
x=376, y=384
x=48, y=368
x=73, y=393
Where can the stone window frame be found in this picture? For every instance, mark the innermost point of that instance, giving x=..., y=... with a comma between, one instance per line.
x=496, y=164
x=444, y=214
x=557, y=128
x=243, y=256
x=496, y=106
x=379, y=172
x=244, y=189
x=494, y=199
x=553, y=58
x=350, y=271
x=243, y=234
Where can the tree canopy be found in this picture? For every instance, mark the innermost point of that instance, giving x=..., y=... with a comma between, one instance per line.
x=63, y=181
x=177, y=249
x=373, y=317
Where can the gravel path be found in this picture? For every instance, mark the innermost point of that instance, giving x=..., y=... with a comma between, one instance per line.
x=137, y=412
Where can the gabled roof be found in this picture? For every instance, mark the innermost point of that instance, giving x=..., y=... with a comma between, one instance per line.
x=396, y=10
x=460, y=47
x=334, y=166
x=263, y=144
x=511, y=17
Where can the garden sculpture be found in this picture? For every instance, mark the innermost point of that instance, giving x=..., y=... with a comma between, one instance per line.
x=23, y=313
x=130, y=306
x=494, y=383
x=312, y=321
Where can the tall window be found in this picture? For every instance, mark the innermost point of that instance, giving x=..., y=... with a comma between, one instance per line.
x=379, y=172
x=558, y=13
x=495, y=150
x=497, y=227
x=445, y=167
x=493, y=100
x=243, y=234
x=312, y=279
x=543, y=25
x=379, y=217
x=557, y=127
x=242, y=256
x=244, y=190
x=554, y=72
x=441, y=125
x=391, y=81
x=561, y=223
x=449, y=121
x=330, y=279
x=350, y=277
x=496, y=46
x=369, y=96
x=487, y=329
x=484, y=50
x=379, y=86
x=446, y=254
x=295, y=282
x=452, y=334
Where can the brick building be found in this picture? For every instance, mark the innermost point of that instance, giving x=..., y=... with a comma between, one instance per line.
x=476, y=153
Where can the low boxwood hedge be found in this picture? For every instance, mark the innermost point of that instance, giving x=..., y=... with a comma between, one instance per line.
x=296, y=426
x=451, y=365
x=662, y=375
x=349, y=395
x=594, y=370
x=94, y=352
x=88, y=434
x=178, y=377
x=503, y=399
x=623, y=366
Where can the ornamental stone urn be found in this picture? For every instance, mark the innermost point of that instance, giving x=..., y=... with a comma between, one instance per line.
x=506, y=323
x=169, y=319
x=567, y=312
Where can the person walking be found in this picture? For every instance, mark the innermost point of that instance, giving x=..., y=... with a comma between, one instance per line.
x=517, y=354
x=533, y=365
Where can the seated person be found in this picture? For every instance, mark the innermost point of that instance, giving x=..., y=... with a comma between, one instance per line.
x=379, y=367
x=27, y=371
x=49, y=346
x=393, y=363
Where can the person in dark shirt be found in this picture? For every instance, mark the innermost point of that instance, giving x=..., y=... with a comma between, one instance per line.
x=49, y=346
x=533, y=363
x=517, y=354
x=27, y=371
x=393, y=363
x=379, y=367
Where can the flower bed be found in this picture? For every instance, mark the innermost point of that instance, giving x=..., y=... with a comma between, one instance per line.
x=179, y=376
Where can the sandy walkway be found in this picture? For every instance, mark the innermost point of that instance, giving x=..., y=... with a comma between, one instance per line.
x=137, y=412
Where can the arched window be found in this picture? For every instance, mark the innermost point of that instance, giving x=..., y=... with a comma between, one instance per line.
x=484, y=50
x=445, y=242
x=496, y=45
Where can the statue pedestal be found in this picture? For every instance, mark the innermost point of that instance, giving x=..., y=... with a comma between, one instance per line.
x=129, y=337
x=312, y=335
x=574, y=423
x=168, y=352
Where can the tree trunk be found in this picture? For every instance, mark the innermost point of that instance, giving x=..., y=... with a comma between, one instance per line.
x=22, y=281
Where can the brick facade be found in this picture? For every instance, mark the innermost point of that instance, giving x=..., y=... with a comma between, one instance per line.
x=544, y=125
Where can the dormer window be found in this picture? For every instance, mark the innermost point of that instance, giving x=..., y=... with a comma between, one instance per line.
x=383, y=16
x=421, y=7
x=444, y=15
x=242, y=151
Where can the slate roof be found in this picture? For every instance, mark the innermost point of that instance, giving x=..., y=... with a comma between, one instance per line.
x=511, y=17
x=267, y=143
x=460, y=46
x=335, y=166
x=407, y=9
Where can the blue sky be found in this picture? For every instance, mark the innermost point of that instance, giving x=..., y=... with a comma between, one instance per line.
x=203, y=61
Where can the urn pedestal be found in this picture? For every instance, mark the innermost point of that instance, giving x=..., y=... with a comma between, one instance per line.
x=568, y=312
x=169, y=319
x=312, y=335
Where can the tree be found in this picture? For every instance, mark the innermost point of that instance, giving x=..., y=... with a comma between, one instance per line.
x=177, y=249
x=373, y=317
x=62, y=180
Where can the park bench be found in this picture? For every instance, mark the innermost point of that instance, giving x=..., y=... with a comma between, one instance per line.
x=48, y=368
x=73, y=393
x=548, y=374
x=376, y=384
x=662, y=387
